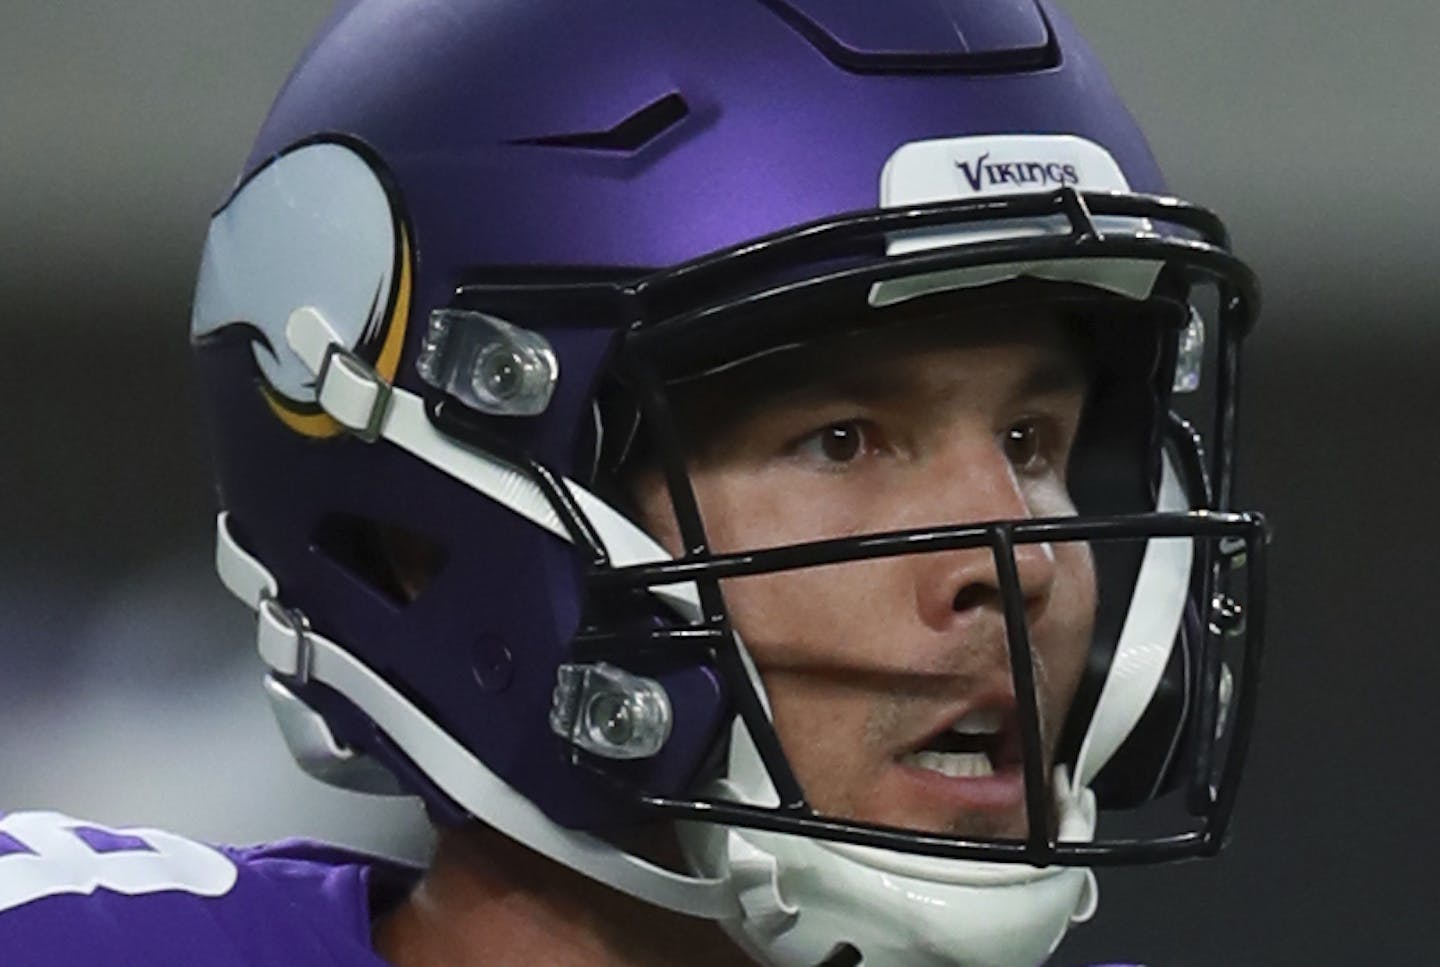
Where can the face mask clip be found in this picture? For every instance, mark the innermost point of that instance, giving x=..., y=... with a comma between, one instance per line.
x=609, y=712
x=1190, y=357
x=488, y=364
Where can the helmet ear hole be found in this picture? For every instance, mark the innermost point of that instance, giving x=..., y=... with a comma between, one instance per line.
x=394, y=561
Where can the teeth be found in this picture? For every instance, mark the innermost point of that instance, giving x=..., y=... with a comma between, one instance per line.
x=979, y=722
x=957, y=765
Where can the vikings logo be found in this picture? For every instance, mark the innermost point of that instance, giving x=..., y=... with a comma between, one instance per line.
x=926, y=171
x=314, y=227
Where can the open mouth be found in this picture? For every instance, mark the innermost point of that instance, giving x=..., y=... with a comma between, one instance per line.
x=979, y=744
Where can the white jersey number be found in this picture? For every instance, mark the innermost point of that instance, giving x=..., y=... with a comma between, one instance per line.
x=46, y=854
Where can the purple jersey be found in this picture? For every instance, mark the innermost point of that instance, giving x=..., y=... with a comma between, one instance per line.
x=73, y=893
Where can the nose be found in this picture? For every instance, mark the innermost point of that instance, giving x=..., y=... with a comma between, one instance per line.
x=959, y=585
x=966, y=583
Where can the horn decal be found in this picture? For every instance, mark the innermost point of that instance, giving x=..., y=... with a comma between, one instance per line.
x=315, y=226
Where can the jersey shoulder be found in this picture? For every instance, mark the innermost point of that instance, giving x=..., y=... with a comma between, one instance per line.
x=73, y=893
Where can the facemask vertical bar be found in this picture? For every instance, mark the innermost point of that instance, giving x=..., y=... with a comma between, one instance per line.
x=1183, y=443
x=1040, y=841
x=1200, y=790
x=1226, y=380
x=1243, y=714
x=757, y=722
x=656, y=414
x=655, y=408
x=1223, y=624
x=582, y=531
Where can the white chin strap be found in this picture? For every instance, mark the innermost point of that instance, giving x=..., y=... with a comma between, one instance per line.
x=786, y=899
x=1147, y=639
x=803, y=898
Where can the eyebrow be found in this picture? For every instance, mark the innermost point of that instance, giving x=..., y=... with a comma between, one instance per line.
x=1058, y=373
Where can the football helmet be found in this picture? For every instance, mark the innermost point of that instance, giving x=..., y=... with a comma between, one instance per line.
x=478, y=249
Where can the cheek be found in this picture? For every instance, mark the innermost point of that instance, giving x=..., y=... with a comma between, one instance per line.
x=1048, y=497
x=655, y=512
x=740, y=510
x=756, y=507
x=800, y=617
x=803, y=615
x=831, y=620
x=828, y=733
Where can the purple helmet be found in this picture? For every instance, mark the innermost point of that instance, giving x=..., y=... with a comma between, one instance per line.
x=475, y=250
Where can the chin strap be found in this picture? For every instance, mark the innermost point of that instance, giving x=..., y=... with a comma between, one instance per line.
x=1147, y=638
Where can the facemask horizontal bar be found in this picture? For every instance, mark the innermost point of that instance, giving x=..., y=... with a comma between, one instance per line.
x=661, y=322
x=1247, y=527
x=1079, y=207
x=1098, y=852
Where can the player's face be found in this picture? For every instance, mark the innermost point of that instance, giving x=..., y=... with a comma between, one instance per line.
x=869, y=666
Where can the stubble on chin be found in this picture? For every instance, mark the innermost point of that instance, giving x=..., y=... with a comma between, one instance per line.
x=895, y=714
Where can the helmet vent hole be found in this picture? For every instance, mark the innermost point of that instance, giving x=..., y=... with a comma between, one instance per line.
x=394, y=561
x=843, y=955
x=628, y=136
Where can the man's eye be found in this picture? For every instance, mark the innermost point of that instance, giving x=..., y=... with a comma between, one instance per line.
x=836, y=443
x=1023, y=443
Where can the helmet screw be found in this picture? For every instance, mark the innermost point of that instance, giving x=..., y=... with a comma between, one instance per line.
x=610, y=718
x=492, y=663
x=499, y=374
x=1227, y=616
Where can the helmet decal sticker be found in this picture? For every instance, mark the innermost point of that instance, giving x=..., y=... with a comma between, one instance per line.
x=314, y=227
x=953, y=169
x=947, y=169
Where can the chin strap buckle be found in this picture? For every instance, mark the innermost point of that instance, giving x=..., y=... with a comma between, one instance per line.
x=351, y=392
x=283, y=639
x=346, y=387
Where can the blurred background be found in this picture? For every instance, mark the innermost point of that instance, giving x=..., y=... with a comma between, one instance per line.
x=128, y=689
